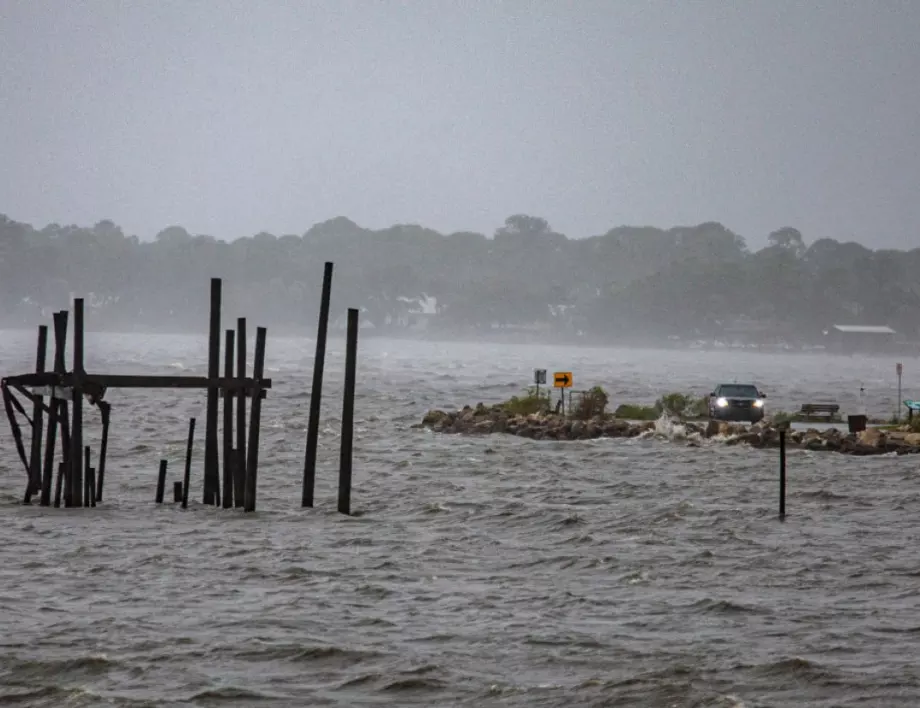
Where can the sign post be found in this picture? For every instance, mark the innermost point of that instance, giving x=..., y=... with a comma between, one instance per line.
x=899, y=369
x=562, y=380
x=539, y=377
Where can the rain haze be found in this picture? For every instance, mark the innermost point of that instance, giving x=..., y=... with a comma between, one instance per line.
x=600, y=272
x=232, y=118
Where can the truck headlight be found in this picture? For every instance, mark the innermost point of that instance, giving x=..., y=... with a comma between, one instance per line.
x=758, y=403
x=721, y=402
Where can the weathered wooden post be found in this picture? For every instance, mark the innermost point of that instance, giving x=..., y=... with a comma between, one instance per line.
x=76, y=430
x=62, y=473
x=348, y=413
x=90, y=486
x=316, y=392
x=188, y=462
x=88, y=495
x=57, y=416
x=782, y=473
x=211, y=472
x=35, y=461
x=228, y=422
x=177, y=492
x=239, y=457
x=161, y=482
x=255, y=419
x=105, y=411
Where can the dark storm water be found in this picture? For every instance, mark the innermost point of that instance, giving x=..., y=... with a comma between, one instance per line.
x=479, y=571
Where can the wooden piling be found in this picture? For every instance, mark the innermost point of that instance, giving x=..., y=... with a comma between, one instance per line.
x=239, y=458
x=50, y=445
x=177, y=492
x=87, y=493
x=316, y=392
x=255, y=419
x=76, y=429
x=188, y=462
x=62, y=470
x=211, y=472
x=228, y=422
x=105, y=409
x=91, y=486
x=161, y=482
x=35, y=462
x=348, y=413
x=782, y=474
x=57, y=415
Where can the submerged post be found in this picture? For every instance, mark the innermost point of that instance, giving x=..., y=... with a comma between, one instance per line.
x=348, y=413
x=177, y=492
x=252, y=462
x=76, y=429
x=161, y=482
x=316, y=392
x=782, y=474
x=87, y=494
x=239, y=467
x=188, y=462
x=58, y=417
x=211, y=472
x=105, y=410
x=35, y=462
x=228, y=422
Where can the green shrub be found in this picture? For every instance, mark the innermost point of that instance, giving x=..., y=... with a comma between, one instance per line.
x=630, y=411
x=592, y=403
x=682, y=405
x=536, y=401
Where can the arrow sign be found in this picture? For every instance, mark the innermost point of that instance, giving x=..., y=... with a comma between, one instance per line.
x=562, y=379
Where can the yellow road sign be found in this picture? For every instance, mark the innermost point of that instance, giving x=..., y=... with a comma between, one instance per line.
x=562, y=379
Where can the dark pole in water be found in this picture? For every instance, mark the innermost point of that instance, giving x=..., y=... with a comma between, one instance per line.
x=228, y=422
x=76, y=428
x=188, y=462
x=161, y=482
x=316, y=392
x=239, y=467
x=88, y=495
x=35, y=463
x=104, y=409
x=177, y=492
x=348, y=413
x=211, y=473
x=252, y=463
x=60, y=416
x=782, y=474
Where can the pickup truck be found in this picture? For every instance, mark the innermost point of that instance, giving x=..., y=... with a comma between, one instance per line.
x=737, y=402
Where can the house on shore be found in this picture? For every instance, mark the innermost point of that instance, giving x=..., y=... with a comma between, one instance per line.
x=862, y=339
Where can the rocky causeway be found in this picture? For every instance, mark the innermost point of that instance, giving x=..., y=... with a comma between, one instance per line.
x=496, y=419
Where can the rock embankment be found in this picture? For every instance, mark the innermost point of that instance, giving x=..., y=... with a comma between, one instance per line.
x=483, y=420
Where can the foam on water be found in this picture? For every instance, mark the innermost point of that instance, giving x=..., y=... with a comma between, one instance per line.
x=477, y=571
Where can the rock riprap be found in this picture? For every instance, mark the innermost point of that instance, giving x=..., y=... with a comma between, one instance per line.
x=485, y=420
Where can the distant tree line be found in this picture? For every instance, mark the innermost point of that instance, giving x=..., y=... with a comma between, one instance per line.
x=697, y=281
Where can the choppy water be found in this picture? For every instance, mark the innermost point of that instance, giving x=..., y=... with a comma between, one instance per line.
x=479, y=571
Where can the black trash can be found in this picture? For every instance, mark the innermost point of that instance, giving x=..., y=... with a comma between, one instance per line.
x=857, y=423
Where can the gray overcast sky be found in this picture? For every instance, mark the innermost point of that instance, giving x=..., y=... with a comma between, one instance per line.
x=232, y=117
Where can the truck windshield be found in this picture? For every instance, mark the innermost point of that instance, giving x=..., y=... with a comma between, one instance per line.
x=738, y=391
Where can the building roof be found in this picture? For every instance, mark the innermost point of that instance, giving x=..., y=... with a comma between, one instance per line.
x=864, y=329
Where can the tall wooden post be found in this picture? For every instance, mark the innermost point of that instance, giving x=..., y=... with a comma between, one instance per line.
x=316, y=392
x=211, y=472
x=76, y=430
x=105, y=410
x=228, y=422
x=239, y=468
x=35, y=462
x=348, y=413
x=255, y=421
x=188, y=462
